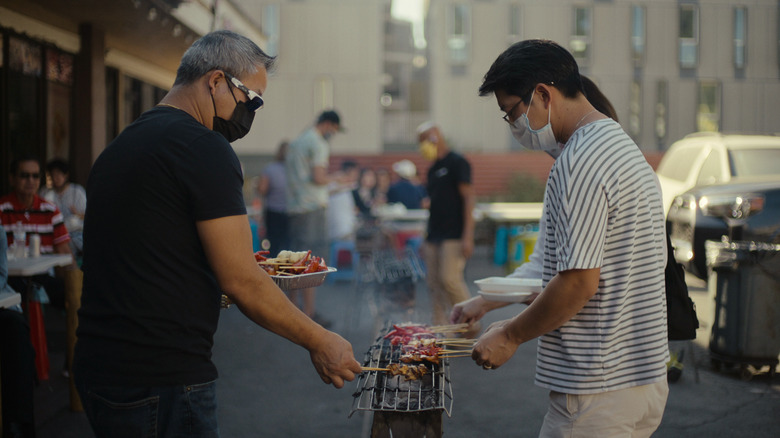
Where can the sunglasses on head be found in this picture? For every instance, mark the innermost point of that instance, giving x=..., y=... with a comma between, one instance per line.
x=255, y=102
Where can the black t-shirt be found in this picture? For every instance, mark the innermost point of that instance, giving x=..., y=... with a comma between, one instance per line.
x=446, y=211
x=150, y=302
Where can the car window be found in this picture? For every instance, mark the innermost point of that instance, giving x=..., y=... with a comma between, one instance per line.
x=677, y=163
x=711, y=172
x=755, y=162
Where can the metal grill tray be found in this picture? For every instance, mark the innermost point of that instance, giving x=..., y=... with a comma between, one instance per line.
x=378, y=391
x=303, y=281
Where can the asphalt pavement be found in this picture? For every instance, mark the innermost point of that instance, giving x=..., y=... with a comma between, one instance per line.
x=268, y=387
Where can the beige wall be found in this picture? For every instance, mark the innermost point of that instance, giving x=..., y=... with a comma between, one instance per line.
x=338, y=40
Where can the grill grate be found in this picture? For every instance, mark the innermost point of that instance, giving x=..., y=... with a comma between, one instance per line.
x=380, y=391
x=390, y=268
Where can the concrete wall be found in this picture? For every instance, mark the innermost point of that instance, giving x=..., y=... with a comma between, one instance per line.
x=336, y=41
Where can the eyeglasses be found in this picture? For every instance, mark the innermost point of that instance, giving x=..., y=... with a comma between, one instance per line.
x=26, y=175
x=255, y=102
x=511, y=110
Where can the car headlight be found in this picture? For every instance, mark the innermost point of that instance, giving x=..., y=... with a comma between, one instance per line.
x=731, y=206
x=684, y=202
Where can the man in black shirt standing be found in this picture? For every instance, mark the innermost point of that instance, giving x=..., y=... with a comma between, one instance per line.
x=166, y=233
x=450, y=238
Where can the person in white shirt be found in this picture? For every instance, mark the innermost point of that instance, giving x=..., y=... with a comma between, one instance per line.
x=341, y=215
x=70, y=198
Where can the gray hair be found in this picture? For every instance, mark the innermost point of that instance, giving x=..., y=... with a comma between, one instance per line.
x=223, y=50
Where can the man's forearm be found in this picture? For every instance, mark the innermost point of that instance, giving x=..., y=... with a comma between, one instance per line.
x=563, y=298
x=228, y=245
x=270, y=308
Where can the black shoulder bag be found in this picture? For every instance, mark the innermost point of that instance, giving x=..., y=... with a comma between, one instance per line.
x=680, y=310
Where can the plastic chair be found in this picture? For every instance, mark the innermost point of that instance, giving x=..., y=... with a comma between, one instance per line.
x=415, y=244
x=345, y=258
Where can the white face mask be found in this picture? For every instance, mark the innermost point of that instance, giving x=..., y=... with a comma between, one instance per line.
x=541, y=139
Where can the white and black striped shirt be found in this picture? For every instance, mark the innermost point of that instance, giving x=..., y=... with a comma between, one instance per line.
x=604, y=210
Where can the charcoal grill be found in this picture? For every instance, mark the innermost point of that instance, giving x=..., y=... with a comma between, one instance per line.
x=402, y=407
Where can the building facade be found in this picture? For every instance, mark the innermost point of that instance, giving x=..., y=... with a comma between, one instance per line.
x=73, y=74
x=670, y=67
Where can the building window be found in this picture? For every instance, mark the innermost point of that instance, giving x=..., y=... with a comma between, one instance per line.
x=581, y=34
x=689, y=36
x=515, y=24
x=459, y=33
x=270, y=27
x=708, y=107
x=638, y=35
x=661, y=104
x=635, y=109
x=740, y=36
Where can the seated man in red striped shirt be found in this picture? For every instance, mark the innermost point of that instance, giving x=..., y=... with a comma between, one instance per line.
x=23, y=207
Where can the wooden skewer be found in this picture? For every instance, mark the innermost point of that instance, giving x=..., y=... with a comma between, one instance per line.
x=450, y=331
x=374, y=369
x=456, y=352
x=446, y=327
x=456, y=341
x=275, y=263
x=463, y=354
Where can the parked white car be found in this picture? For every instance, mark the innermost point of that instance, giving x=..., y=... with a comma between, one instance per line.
x=710, y=158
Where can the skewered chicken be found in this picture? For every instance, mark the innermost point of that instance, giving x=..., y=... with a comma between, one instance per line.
x=410, y=372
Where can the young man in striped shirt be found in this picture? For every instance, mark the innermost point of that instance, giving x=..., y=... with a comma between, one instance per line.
x=601, y=317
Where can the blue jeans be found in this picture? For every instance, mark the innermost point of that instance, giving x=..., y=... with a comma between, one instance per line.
x=168, y=411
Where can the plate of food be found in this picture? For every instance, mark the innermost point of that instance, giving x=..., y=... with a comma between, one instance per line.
x=290, y=270
x=294, y=269
x=508, y=289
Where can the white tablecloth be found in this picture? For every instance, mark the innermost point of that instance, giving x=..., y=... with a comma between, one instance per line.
x=30, y=266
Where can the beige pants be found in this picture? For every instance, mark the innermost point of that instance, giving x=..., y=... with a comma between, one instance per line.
x=445, y=263
x=633, y=412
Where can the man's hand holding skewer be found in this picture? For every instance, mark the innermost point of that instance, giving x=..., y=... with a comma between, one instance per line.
x=471, y=311
x=494, y=347
x=334, y=360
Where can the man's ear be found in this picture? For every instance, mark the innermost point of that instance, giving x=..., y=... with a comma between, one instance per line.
x=545, y=92
x=213, y=78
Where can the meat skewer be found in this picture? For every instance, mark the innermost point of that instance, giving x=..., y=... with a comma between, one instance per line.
x=410, y=372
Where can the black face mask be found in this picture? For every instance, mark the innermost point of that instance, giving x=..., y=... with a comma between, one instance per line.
x=239, y=124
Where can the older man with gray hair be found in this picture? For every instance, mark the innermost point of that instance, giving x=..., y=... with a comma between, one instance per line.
x=166, y=233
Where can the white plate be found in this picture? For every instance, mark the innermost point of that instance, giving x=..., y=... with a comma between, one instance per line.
x=506, y=297
x=499, y=285
x=509, y=290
